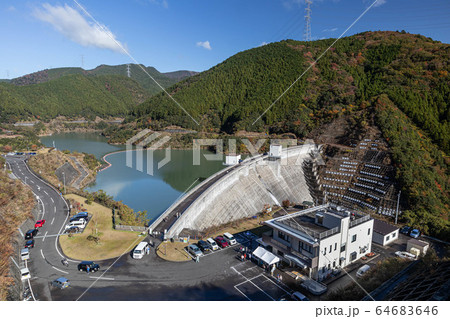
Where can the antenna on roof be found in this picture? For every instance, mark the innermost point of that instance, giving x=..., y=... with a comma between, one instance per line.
x=307, y=28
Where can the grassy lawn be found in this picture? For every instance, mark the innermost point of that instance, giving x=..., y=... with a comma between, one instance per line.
x=112, y=243
x=173, y=251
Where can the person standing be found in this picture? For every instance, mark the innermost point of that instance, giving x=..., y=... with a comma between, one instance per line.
x=87, y=269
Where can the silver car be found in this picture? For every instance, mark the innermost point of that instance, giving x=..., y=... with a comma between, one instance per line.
x=194, y=250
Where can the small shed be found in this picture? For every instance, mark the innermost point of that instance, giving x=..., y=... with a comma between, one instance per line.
x=275, y=151
x=417, y=247
x=383, y=232
x=232, y=159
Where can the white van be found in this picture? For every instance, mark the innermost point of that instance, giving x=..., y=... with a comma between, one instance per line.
x=78, y=223
x=25, y=274
x=361, y=271
x=230, y=239
x=25, y=254
x=212, y=243
x=140, y=250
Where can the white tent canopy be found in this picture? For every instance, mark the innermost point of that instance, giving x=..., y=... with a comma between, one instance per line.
x=265, y=256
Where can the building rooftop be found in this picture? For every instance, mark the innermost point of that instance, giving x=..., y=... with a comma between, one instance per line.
x=303, y=222
x=382, y=227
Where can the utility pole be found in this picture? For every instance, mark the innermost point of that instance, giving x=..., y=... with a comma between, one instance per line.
x=64, y=180
x=307, y=27
x=398, y=202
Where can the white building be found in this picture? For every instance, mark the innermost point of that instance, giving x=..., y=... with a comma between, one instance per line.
x=320, y=239
x=384, y=233
x=275, y=151
x=232, y=159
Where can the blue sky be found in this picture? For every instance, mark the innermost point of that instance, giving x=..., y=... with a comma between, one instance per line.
x=194, y=35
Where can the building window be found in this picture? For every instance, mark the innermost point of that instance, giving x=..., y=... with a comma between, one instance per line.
x=304, y=246
x=393, y=235
x=335, y=246
x=331, y=248
x=368, y=231
x=387, y=237
x=334, y=264
x=283, y=236
x=353, y=238
x=353, y=256
x=324, y=251
x=342, y=248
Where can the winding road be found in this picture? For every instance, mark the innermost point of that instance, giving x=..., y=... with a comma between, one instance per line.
x=123, y=278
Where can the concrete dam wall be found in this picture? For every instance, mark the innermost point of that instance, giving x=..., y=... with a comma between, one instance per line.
x=245, y=190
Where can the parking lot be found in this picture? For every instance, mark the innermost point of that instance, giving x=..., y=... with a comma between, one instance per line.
x=256, y=285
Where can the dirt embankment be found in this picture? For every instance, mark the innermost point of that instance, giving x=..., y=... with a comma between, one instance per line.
x=16, y=204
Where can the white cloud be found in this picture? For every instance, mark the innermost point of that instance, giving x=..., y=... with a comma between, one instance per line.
x=204, y=44
x=263, y=43
x=163, y=3
x=330, y=30
x=380, y=3
x=75, y=27
x=11, y=8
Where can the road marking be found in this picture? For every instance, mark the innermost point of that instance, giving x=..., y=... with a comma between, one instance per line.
x=44, y=235
x=31, y=181
x=20, y=232
x=276, y=284
x=54, y=209
x=51, y=198
x=60, y=270
x=37, y=237
x=31, y=290
x=46, y=193
x=52, y=221
x=105, y=278
x=242, y=293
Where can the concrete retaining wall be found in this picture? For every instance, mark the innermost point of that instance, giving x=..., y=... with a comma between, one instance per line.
x=244, y=192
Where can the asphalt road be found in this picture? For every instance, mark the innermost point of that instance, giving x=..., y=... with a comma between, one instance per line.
x=214, y=278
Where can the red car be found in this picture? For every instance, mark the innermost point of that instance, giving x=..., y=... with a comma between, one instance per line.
x=39, y=223
x=221, y=242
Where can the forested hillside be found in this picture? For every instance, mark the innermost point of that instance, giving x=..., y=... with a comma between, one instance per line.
x=71, y=95
x=136, y=73
x=411, y=69
x=400, y=78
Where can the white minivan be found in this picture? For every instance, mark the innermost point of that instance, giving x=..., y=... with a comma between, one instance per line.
x=212, y=243
x=78, y=223
x=230, y=239
x=25, y=254
x=140, y=250
x=361, y=271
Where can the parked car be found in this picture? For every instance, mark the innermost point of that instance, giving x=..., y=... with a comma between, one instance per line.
x=415, y=233
x=203, y=245
x=31, y=233
x=405, y=230
x=61, y=283
x=29, y=243
x=39, y=223
x=24, y=254
x=299, y=296
x=85, y=264
x=79, y=223
x=230, y=239
x=73, y=230
x=194, y=250
x=405, y=255
x=84, y=215
x=362, y=270
x=221, y=242
x=25, y=274
x=141, y=249
x=212, y=244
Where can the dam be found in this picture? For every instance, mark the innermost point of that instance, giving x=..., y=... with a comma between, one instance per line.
x=241, y=191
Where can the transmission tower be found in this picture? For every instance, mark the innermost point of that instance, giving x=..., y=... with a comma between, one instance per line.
x=307, y=28
x=128, y=71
